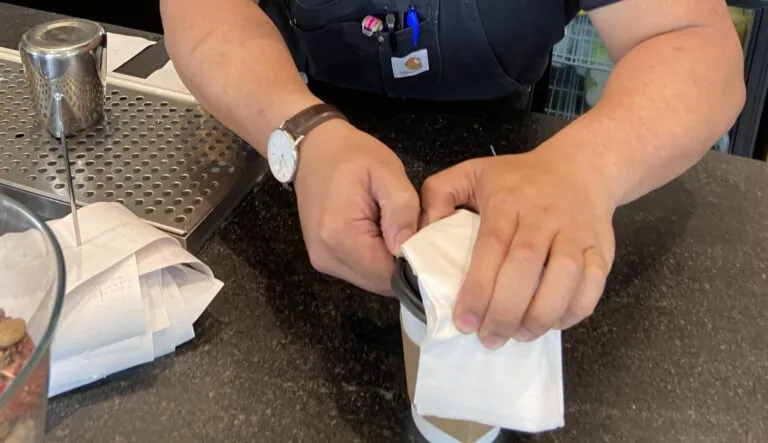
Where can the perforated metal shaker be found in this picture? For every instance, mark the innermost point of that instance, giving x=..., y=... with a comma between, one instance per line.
x=65, y=61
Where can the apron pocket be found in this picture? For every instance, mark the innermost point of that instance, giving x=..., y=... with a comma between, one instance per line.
x=472, y=69
x=337, y=51
x=314, y=14
x=408, y=70
x=340, y=54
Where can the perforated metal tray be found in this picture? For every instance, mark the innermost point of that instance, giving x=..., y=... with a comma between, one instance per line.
x=158, y=154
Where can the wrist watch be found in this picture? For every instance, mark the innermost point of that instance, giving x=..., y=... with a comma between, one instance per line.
x=283, y=144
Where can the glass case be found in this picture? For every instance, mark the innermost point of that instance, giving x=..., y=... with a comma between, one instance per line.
x=581, y=66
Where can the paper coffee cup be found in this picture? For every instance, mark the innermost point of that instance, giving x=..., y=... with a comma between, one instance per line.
x=435, y=429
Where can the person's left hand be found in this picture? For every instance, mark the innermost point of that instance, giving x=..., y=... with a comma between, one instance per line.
x=544, y=246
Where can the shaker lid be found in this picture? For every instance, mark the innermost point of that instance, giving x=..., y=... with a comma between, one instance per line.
x=63, y=36
x=405, y=285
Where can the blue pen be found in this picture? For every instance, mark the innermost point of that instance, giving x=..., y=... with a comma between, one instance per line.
x=413, y=22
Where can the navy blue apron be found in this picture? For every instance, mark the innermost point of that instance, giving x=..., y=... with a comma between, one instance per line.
x=474, y=49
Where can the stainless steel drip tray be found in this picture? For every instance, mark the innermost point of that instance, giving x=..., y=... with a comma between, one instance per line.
x=158, y=154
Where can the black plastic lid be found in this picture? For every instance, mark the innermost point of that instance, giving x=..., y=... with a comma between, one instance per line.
x=405, y=284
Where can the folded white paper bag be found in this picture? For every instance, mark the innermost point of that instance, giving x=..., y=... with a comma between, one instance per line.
x=519, y=386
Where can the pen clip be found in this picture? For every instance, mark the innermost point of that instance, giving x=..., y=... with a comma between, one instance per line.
x=412, y=18
x=390, y=23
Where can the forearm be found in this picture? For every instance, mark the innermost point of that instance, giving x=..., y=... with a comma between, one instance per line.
x=234, y=61
x=666, y=103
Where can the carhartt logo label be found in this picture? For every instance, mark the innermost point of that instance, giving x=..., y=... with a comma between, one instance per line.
x=412, y=64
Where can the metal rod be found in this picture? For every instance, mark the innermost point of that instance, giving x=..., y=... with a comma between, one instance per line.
x=65, y=154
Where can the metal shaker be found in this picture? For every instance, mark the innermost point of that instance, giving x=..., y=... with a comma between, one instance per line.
x=65, y=66
x=65, y=60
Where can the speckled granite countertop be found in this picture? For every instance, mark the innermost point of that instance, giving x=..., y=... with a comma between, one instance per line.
x=676, y=351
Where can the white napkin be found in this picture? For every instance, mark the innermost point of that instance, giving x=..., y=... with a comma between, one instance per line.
x=132, y=294
x=167, y=77
x=121, y=48
x=519, y=386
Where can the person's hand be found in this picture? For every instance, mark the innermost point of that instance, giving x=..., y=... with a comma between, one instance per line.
x=356, y=205
x=544, y=246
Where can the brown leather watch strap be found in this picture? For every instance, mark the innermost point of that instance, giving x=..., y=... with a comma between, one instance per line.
x=300, y=124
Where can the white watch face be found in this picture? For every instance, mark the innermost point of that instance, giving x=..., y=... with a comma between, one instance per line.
x=281, y=155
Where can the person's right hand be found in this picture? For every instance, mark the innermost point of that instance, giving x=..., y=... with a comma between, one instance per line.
x=356, y=205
